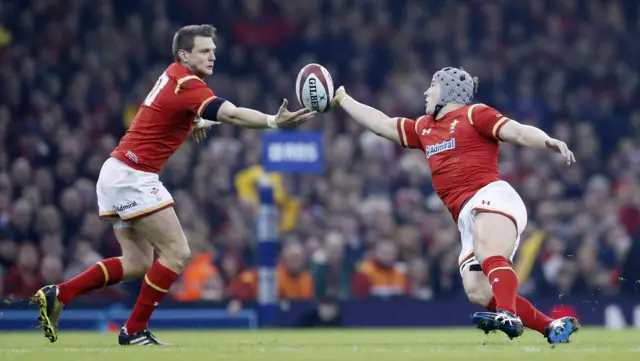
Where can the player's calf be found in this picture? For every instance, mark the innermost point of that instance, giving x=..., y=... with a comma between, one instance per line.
x=477, y=288
x=137, y=256
x=476, y=285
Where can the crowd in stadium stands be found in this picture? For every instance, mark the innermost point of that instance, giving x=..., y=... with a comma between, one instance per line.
x=73, y=74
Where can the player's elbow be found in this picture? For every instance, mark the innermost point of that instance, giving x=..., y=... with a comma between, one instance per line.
x=379, y=133
x=385, y=128
x=512, y=132
x=227, y=112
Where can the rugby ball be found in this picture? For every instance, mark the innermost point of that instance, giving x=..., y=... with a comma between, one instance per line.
x=314, y=88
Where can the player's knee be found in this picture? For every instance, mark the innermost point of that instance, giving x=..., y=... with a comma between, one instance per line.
x=145, y=265
x=183, y=254
x=135, y=267
x=178, y=256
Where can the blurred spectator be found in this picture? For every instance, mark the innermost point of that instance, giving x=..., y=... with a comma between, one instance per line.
x=293, y=279
x=23, y=279
x=380, y=275
x=330, y=270
x=51, y=269
x=200, y=280
x=418, y=279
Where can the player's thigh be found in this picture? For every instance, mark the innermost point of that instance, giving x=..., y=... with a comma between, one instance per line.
x=163, y=230
x=475, y=283
x=142, y=201
x=499, y=216
x=494, y=234
x=137, y=252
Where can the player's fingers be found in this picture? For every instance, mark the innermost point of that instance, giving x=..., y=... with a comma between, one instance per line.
x=573, y=157
x=562, y=149
x=567, y=154
x=285, y=102
x=302, y=119
x=302, y=112
x=309, y=116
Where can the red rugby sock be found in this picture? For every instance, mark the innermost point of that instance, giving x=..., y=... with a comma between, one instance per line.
x=102, y=274
x=531, y=317
x=504, y=282
x=155, y=286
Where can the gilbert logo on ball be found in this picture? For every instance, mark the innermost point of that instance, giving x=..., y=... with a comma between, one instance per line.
x=314, y=87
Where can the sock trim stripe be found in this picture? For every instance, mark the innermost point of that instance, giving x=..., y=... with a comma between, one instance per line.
x=106, y=273
x=499, y=268
x=155, y=287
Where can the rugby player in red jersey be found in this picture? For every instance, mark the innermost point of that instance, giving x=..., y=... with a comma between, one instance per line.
x=461, y=141
x=131, y=195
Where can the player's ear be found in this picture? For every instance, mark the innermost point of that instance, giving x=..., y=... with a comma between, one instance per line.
x=476, y=83
x=182, y=54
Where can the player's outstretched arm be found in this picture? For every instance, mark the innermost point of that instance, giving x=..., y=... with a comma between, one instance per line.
x=369, y=117
x=249, y=118
x=532, y=137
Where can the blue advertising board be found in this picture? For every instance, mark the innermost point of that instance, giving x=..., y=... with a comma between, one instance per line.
x=292, y=152
x=617, y=313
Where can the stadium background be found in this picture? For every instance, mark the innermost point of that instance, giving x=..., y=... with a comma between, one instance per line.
x=74, y=72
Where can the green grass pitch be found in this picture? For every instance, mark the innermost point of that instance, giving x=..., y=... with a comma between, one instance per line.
x=300, y=345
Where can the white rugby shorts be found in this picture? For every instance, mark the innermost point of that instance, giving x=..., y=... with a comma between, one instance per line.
x=496, y=197
x=125, y=194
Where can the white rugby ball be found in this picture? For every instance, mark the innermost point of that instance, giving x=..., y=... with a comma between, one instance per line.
x=314, y=88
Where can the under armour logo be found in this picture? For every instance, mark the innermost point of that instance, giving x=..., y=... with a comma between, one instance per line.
x=426, y=131
x=495, y=280
x=486, y=202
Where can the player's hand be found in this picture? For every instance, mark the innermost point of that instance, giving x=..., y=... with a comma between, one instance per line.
x=338, y=97
x=199, y=135
x=285, y=118
x=561, y=147
x=199, y=132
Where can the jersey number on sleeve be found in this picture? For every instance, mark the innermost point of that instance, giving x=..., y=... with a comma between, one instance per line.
x=162, y=81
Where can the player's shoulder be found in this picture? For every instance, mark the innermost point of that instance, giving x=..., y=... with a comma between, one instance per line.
x=184, y=78
x=424, y=117
x=422, y=120
x=478, y=110
x=471, y=108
